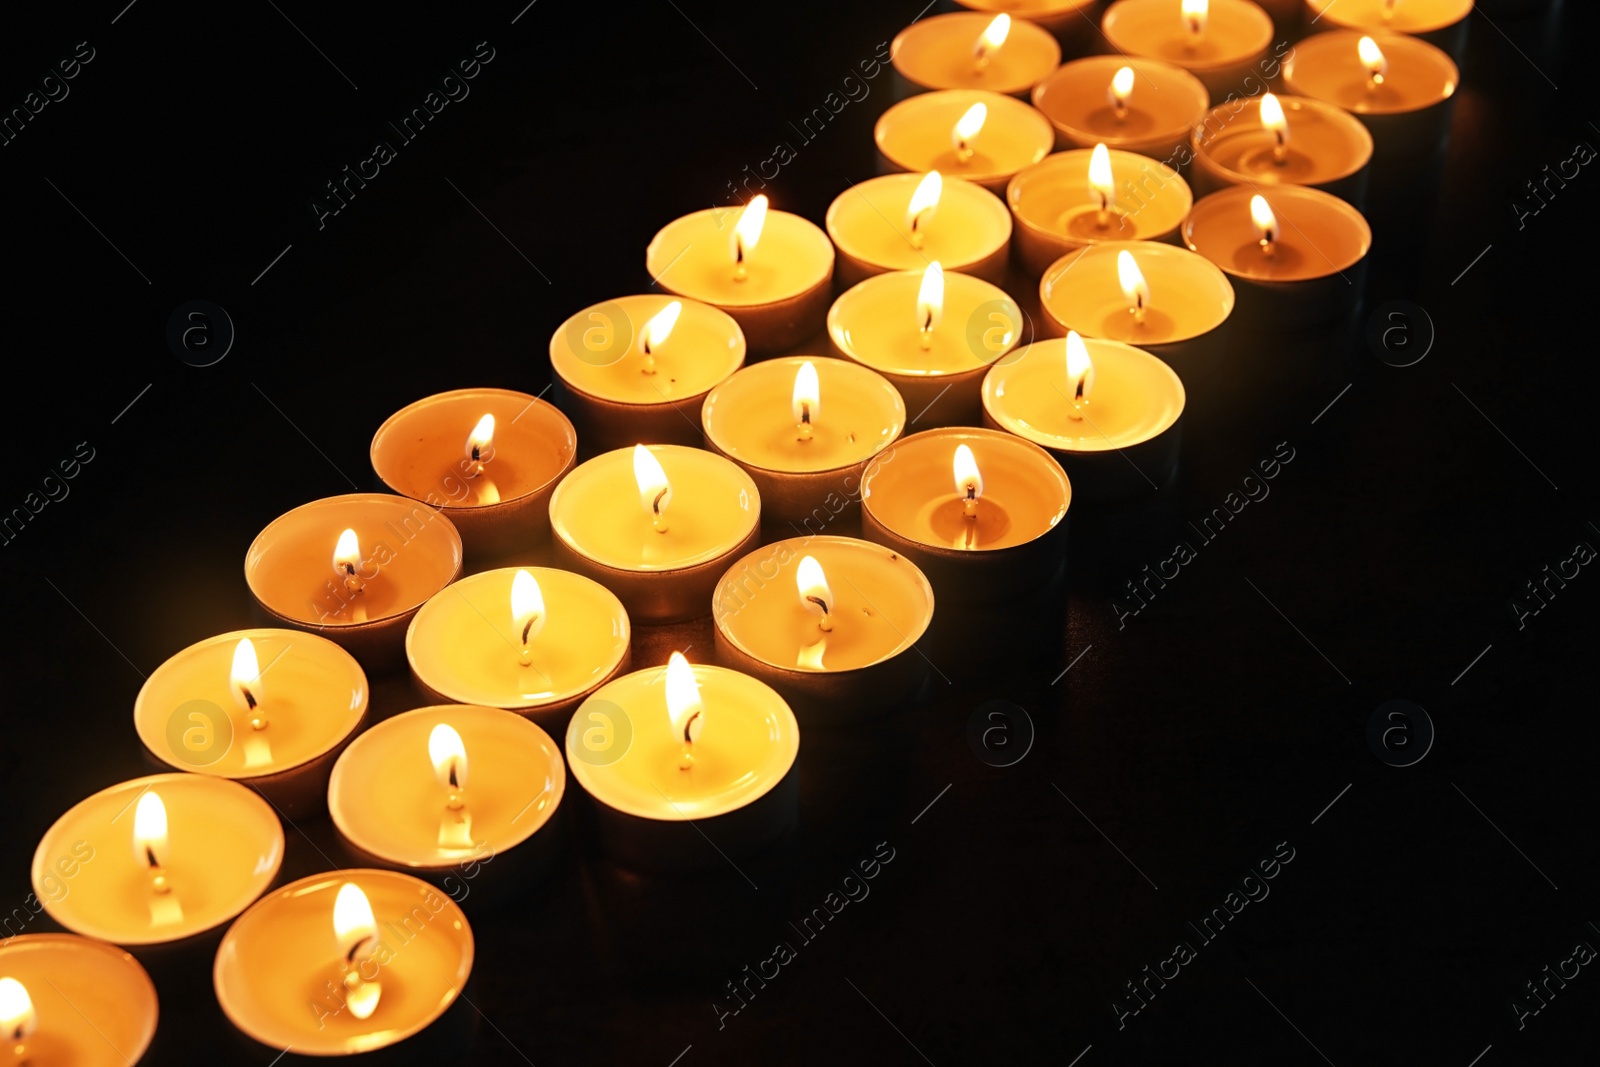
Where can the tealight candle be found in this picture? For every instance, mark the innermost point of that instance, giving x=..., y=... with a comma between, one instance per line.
x=1401, y=88
x=1110, y=413
x=931, y=333
x=69, y=1001
x=980, y=512
x=1298, y=254
x=973, y=50
x=269, y=708
x=708, y=756
x=905, y=221
x=804, y=428
x=831, y=623
x=174, y=855
x=1442, y=23
x=351, y=961
x=1087, y=196
x=487, y=458
x=431, y=789
x=770, y=270
x=656, y=525
x=354, y=568
x=533, y=640
x=1161, y=298
x=637, y=368
x=981, y=136
x=1282, y=140
x=1218, y=41
x=1061, y=17
x=1122, y=102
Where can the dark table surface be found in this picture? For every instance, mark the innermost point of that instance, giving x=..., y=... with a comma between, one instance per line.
x=1222, y=725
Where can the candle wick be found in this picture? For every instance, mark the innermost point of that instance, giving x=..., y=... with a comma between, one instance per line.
x=1103, y=215
x=352, y=581
x=969, y=503
x=964, y=151
x=826, y=622
x=739, y=273
x=649, y=357
x=1280, y=148
x=658, y=519
x=1122, y=111
x=1138, y=311
x=916, y=231
x=1269, y=247
x=158, y=873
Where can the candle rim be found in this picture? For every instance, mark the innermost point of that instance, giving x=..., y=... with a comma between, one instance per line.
x=775, y=217
x=1020, y=25
x=559, y=350
x=953, y=186
x=1247, y=11
x=140, y=985
x=1291, y=103
x=1193, y=86
x=553, y=414
x=998, y=104
x=1392, y=44
x=1326, y=9
x=1220, y=201
x=1056, y=273
x=148, y=731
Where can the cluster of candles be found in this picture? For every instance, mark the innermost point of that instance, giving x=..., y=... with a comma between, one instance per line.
x=695, y=458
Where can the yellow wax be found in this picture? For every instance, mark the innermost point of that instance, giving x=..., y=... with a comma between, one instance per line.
x=1319, y=235
x=1325, y=143
x=693, y=256
x=311, y=692
x=1025, y=494
x=750, y=416
x=1327, y=66
x=1135, y=397
x=937, y=53
x=420, y=451
x=385, y=798
x=1053, y=199
x=882, y=604
x=1165, y=103
x=224, y=848
x=1189, y=295
x=1030, y=9
x=747, y=744
x=598, y=351
x=596, y=510
x=94, y=1005
x=464, y=644
x=1407, y=16
x=875, y=323
x=868, y=223
x=915, y=135
x=1236, y=32
x=409, y=552
x=272, y=968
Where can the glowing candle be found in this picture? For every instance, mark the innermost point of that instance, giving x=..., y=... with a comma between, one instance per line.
x=967, y=50
x=981, y=136
x=1064, y=18
x=1442, y=23
x=1136, y=105
x=1282, y=140
x=487, y=458
x=1221, y=42
x=68, y=1001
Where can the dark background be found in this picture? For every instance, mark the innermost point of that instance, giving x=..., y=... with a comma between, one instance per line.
x=1218, y=722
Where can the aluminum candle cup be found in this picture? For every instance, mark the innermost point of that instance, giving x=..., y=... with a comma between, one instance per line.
x=354, y=569
x=273, y=716
x=1121, y=441
x=1161, y=105
x=806, y=466
x=852, y=660
x=1231, y=42
x=499, y=501
x=949, y=132
x=466, y=644
x=1057, y=208
x=636, y=369
x=954, y=51
x=1015, y=538
x=875, y=228
x=91, y=1004
x=1323, y=147
x=1442, y=23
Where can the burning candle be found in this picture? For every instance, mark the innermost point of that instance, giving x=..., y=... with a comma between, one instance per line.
x=1061, y=17
x=678, y=756
x=68, y=1000
x=352, y=961
x=1282, y=140
x=637, y=368
x=904, y=221
x=981, y=136
x=770, y=270
x=1109, y=413
x=1135, y=105
x=1085, y=197
x=981, y=513
x=971, y=50
x=1442, y=23
x=487, y=458
x=1298, y=254
x=931, y=333
x=1221, y=42
x=656, y=525
x=804, y=428
x=831, y=623
x=354, y=568
x=271, y=709
x=173, y=855
x=533, y=640
x=432, y=789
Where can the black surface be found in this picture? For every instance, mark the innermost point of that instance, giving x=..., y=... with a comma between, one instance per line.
x=1221, y=720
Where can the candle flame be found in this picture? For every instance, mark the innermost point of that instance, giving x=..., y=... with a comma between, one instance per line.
x=1102, y=185
x=1080, y=369
x=244, y=676
x=449, y=757
x=924, y=203
x=815, y=596
x=527, y=606
x=930, y=301
x=347, y=553
x=993, y=36
x=150, y=830
x=17, y=1017
x=655, y=492
x=480, y=442
x=1195, y=14
x=807, y=396
x=1134, y=288
x=1266, y=222
x=747, y=231
x=659, y=327
x=969, y=482
x=356, y=929
x=1274, y=122
x=1373, y=59
x=684, y=707
x=1121, y=89
x=967, y=127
